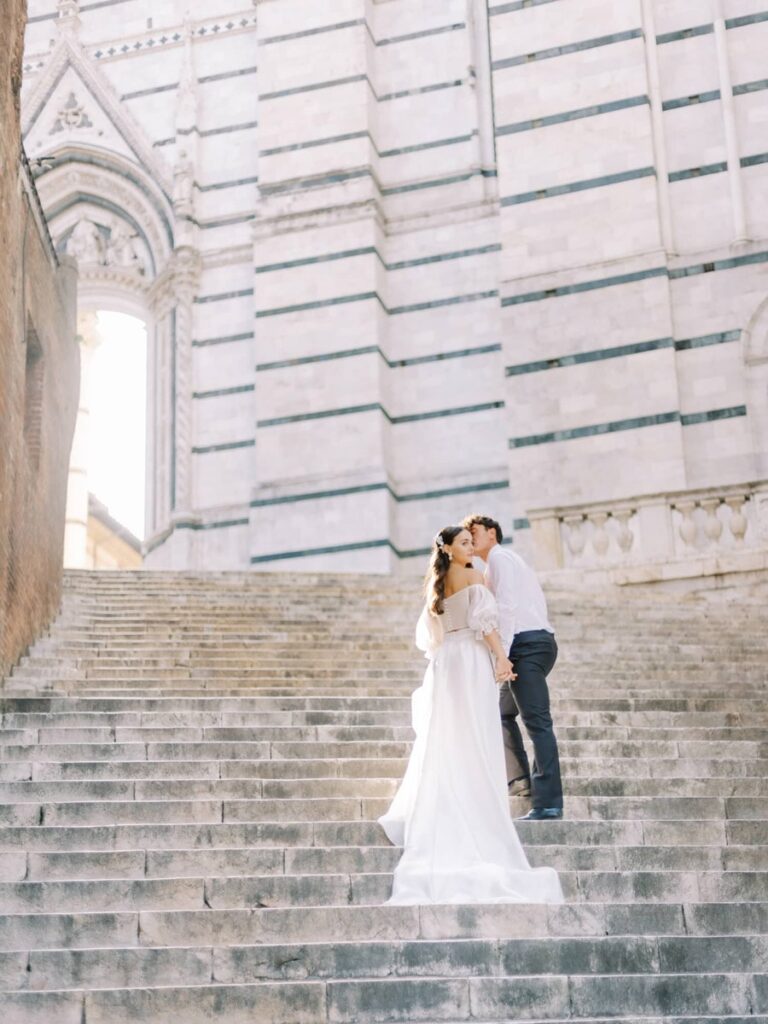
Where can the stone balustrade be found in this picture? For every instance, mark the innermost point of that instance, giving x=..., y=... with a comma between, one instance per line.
x=653, y=538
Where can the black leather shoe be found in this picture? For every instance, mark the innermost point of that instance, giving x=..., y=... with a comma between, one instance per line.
x=543, y=814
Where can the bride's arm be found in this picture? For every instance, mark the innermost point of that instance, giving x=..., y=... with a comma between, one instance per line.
x=504, y=670
x=484, y=619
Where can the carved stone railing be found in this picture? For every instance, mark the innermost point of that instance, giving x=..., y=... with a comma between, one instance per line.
x=708, y=531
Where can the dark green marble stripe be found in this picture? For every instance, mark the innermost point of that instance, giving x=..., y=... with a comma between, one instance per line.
x=351, y=410
x=297, y=90
x=302, y=307
x=444, y=257
x=572, y=115
x=448, y=492
x=593, y=356
x=335, y=549
x=578, y=186
x=419, y=261
x=308, y=261
x=584, y=286
x=220, y=392
x=368, y=296
x=222, y=75
x=748, y=87
x=754, y=161
x=320, y=30
x=343, y=492
x=170, y=87
x=707, y=339
x=698, y=172
x=685, y=33
x=419, y=91
x=750, y=259
x=746, y=19
x=348, y=353
x=463, y=353
x=694, y=418
x=336, y=178
x=338, y=549
x=307, y=417
x=419, y=147
x=620, y=351
x=561, y=51
x=442, y=413
x=218, y=185
x=691, y=101
x=362, y=23
x=366, y=350
x=223, y=296
x=422, y=34
x=354, y=136
x=455, y=300
x=339, y=492
x=224, y=447
x=518, y=5
x=225, y=340
x=595, y=430
x=312, y=143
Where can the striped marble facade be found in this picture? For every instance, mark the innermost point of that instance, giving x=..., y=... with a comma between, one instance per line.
x=454, y=256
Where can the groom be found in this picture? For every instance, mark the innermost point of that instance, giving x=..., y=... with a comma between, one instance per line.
x=529, y=638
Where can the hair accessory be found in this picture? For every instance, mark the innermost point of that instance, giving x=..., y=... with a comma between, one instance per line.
x=439, y=542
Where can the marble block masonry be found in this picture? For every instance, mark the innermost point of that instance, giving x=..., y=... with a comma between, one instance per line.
x=404, y=259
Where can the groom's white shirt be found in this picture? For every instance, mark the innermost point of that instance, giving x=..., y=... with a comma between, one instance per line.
x=518, y=593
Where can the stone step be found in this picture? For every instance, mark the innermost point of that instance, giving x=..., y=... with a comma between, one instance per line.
x=506, y=958
x=735, y=736
x=318, y=809
x=252, y=787
x=370, y=889
x=612, y=835
x=238, y=861
x=579, y=997
x=246, y=926
x=18, y=867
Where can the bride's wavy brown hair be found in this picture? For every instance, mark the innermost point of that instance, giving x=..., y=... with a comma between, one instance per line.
x=434, y=581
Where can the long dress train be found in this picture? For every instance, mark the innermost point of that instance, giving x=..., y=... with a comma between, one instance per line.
x=451, y=812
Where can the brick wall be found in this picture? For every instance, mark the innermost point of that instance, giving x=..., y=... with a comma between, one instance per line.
x=38, y=380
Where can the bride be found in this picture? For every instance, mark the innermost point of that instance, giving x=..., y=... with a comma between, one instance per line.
x=451, y=812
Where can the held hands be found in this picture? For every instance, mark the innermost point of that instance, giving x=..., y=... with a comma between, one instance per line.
x=504, y=671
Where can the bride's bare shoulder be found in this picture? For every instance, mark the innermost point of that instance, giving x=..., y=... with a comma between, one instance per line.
x=471, y=576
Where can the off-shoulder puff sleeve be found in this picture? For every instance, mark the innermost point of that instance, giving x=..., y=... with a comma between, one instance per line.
x=483, y=614
x=429, y=633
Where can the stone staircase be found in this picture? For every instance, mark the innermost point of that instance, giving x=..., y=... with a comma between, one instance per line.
x=190, y=771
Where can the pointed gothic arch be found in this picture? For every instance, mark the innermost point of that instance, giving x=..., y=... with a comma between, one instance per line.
x=108, y=196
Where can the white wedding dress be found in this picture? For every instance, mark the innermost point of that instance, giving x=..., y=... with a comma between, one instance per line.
x=451, y=812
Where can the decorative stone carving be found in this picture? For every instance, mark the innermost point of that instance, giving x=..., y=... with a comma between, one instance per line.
x=71, y=116
x=183, y=185
x=122, y=250
x=86, y=243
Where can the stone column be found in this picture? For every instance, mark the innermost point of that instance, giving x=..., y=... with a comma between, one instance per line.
x=738, y=208
x=187, y=273
x=76, y=531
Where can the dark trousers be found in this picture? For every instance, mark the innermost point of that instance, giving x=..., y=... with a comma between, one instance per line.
x=533, y=655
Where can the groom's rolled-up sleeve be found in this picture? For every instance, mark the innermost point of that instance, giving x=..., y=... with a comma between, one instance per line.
x=502, y=583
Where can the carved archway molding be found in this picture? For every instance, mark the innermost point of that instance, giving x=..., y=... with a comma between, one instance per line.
x=80, y=177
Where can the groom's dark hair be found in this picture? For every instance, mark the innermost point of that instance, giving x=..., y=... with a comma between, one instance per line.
x=487, y=522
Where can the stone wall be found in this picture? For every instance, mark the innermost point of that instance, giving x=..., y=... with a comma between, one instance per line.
x=38, y=381
x=419, y=257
